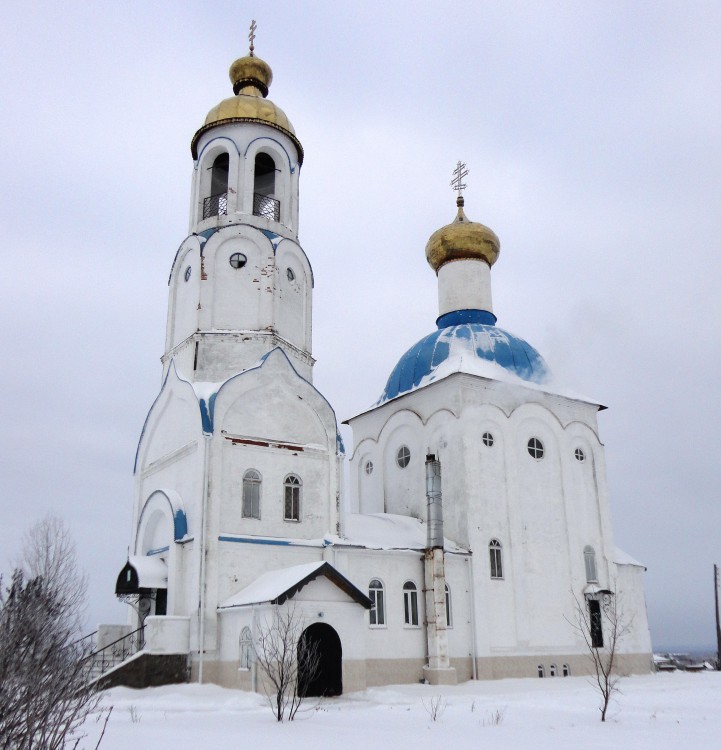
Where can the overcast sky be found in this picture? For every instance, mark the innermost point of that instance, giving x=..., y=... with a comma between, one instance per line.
x=592, y=131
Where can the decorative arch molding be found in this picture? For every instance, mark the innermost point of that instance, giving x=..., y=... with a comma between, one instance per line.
x=172, y=376
x=277, y=143
x=189, y=244
x=170, y=505
x=213, y=142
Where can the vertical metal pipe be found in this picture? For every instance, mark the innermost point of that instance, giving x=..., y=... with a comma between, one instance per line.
x=434, y=501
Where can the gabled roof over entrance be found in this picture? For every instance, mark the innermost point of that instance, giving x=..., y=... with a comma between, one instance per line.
x=277, y=586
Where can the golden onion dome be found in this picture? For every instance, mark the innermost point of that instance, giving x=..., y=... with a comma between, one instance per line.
x=462, y=240
x=251, y=78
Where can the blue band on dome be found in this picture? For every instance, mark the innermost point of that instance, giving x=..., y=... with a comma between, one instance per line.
x=459, y=317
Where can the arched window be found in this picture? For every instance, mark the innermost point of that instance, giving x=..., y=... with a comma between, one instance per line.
x=217, y=202
x=566, y=670
x=541, y=671
x=589, y=558
x=292, y=487
x=496, y=557
x=410, y=603
x=251, y=494
x=264, y=201
x=378, y=610
x=246, y=648
x=552, y=670
x=449, y=613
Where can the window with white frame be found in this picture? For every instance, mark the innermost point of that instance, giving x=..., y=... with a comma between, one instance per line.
x=495, y=553
x=541, y=671
x=449, y=611
x=246, y=648
x=566, y=670
x=377, y=597
x=535, y=448
x=589, y=558
x=552, y=670
x=403, y=457
x=410, y=603
x=291, y=487
x=251, y=494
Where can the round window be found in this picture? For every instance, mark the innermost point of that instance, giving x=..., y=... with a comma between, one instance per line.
x=579, y=454
x=187, y=273
x=290, y=274
x=535, y=448
x=487, y=439
x=403, y=457
x=369, y=467
x=237, y=260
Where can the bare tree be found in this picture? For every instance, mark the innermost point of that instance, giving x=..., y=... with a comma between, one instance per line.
x=602, y=625
x=45, y=696
x=288, y=661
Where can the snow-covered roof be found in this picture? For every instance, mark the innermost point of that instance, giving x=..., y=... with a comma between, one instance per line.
x=621, y=558
x=278, y=585
x=387, y=531
x=142, y=572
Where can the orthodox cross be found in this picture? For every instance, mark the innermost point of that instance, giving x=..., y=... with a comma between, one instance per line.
x=458, y=174
x=251, y=36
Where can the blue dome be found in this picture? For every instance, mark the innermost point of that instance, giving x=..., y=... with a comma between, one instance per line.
x=471, y=341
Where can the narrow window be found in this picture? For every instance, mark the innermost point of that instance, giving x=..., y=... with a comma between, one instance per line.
x=496, y=557
x=264, y=201
x=552, y=671
x=246, y=647
x=217, y=202
x=378, y=610
x=292, y=498
x=589, y=558
x=595, y=625
x=449, y=614
x=369, y=467
x=403, y=457
x=251, y=494
x=535, y=448
x=541, y=671
x=566, y=670
x=410, y=603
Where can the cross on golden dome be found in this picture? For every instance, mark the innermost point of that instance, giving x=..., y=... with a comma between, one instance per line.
x=458, y=174
x=251, y=36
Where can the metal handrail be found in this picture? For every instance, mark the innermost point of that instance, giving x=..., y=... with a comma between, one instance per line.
x=107, y=657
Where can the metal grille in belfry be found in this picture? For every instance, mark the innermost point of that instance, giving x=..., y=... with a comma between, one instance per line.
x=263, y=205
x=215, y=205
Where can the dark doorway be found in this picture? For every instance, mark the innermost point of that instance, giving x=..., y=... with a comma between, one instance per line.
x=596, y=627
x=319, y=644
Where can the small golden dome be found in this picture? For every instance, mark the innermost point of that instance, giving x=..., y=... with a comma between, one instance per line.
x=462, y=240
x=251, y=78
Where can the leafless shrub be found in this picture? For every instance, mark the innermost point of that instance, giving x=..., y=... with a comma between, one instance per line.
x=494, y=718
x=288, y=661
x=602, y=631
x=435, y=707
x=45, y=697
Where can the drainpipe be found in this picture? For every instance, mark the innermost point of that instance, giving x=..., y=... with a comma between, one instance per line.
x=201, y=593
x=471, y=587
x=439, y=670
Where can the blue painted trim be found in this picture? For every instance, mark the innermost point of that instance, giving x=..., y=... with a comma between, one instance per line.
x=158, y=551
x=207, y=413
x=268, y=138
x=272, y=542
x=459, y=317
x=212, y=140
x=180, y=524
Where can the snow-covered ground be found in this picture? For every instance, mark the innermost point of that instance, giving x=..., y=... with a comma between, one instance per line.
x=657, y=712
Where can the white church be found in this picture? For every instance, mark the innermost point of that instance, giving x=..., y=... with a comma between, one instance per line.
x=477, y=512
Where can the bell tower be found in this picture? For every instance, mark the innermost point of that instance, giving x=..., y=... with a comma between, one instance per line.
x=240, y=284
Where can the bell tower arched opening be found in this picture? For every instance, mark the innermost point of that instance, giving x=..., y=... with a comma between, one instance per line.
x=264, y=201
x=216, y=203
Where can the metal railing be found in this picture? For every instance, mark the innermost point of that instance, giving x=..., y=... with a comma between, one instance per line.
x=215, y=205
x=264, y=205
x=104, y=659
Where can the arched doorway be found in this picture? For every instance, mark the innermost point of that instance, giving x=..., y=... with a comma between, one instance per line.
x=319, y=644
